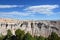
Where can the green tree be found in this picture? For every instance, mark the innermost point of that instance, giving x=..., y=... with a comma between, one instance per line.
x=58, y=38
x=28, y=37
x=9, y=34
x=36, y=37
x=1, y=37
x=39, y=38
x=20, y=34
x=53, y=36
x=46, y=38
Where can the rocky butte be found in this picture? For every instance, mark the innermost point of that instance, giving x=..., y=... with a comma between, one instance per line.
x=34, y=27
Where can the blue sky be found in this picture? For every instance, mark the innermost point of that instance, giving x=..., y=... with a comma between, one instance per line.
x=30, y=9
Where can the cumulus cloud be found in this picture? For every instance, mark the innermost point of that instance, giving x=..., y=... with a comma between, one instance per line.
x=42, y=9
x=10, y=6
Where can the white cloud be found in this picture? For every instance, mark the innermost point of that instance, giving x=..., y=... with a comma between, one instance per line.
x=42, y=9
x=30, y=11
x=10, y=6
x=15, y=13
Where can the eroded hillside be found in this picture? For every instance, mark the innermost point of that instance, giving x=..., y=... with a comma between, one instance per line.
x=35, y=28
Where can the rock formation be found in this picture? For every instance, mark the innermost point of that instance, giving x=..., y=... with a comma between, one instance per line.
x=35, y=28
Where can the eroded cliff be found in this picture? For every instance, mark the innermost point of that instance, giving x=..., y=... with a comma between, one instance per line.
x=35, y=28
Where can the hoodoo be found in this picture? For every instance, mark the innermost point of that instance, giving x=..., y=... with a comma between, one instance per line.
x=35, y=28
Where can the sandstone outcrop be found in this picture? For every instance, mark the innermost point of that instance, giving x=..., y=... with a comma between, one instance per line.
x=35, y=28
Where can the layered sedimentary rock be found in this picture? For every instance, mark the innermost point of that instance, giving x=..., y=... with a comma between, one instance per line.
x=35, y=28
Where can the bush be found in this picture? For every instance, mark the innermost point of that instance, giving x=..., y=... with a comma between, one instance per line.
x=20, y=34
x=53, y=36
x=39, y=38
x=28, y=37
x=1, y=37
x=9, y=34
